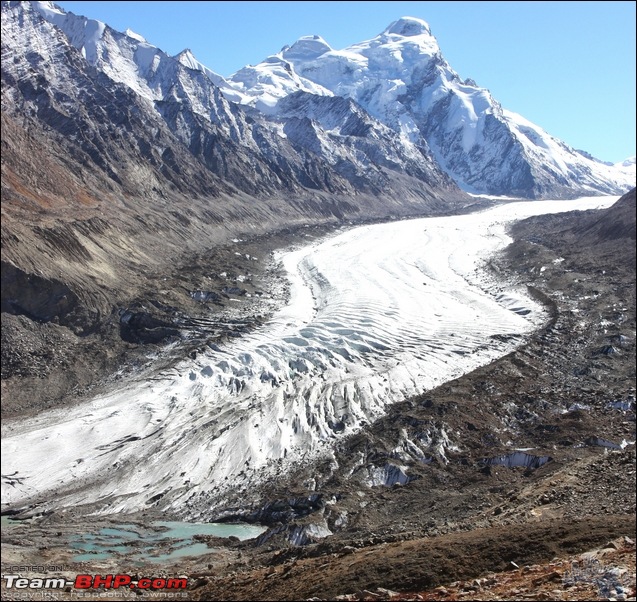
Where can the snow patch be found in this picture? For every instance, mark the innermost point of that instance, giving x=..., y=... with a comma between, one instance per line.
x=131, y=34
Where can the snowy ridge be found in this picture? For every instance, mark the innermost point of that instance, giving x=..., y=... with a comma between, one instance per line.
x=128, y=59
x=377, y=314
x=557, y=159
x=273, y=79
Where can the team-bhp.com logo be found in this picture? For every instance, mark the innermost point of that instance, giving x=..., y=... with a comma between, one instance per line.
x=95, y=582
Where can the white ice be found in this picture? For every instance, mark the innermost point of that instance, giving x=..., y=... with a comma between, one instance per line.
x=377, y=313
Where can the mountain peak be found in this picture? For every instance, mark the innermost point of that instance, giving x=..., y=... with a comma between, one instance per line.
x=408, y=27
x=187, y=59
x=185, y=53
x=307, y=48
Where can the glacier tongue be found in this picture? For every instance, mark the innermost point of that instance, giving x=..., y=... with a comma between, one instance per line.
x=377, y=314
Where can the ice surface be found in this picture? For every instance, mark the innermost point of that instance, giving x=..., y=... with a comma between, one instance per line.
x=377, y=313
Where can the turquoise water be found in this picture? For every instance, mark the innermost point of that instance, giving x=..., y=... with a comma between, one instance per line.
x=8, y=522
x=92, y=557
x=146, y=544
x=195, y=549
x=183, y=530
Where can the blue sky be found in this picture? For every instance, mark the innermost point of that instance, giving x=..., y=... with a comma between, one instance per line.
x=567, y=66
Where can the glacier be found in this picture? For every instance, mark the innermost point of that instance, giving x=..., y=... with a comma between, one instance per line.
x=377, y=314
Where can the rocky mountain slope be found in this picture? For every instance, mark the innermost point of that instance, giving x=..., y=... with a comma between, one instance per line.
x=401, y=78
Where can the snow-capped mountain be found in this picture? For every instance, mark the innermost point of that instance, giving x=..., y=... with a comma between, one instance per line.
x=250, y=151
x=401, y=78
x=628, y=163
x=628, y=166
x=381, y=117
